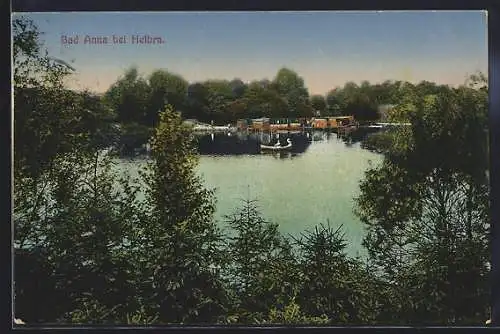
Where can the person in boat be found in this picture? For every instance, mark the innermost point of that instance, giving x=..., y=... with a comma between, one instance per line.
x=278, y=146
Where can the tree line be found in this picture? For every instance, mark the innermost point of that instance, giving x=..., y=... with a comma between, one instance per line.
x=101, y=256
x=139, y=99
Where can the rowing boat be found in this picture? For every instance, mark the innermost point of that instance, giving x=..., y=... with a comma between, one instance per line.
x=277, y=148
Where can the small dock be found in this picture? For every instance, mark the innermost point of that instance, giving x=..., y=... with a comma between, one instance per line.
x=342, y=125
x=383, y=125
x=208, y=128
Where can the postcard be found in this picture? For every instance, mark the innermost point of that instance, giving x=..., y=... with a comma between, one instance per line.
x=251, y=168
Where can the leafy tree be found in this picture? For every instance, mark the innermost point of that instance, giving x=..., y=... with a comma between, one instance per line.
x=132, y=137
x=380, y=142
x=238, y=87
x=291, y=87
x=166, y=88
x=358, y=101
x=264, y=102
x=69, y=221
x=220, y=94
x=46, y=116
x=96, y=121
x=382, y=93
x=32, y=66
x=336, y=103
x=130, y=97
x=427, y=224
x=424, y=88
x=286, y=80
x=72, y=221
x=45, y=122
x=318, y=103
x=197, y=102
x=292, y=315
x=237, y=109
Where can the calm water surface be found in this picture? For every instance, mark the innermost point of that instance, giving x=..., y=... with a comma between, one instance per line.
x=314, y=183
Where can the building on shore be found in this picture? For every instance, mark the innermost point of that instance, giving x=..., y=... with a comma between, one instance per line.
x=261, y=124
x=319, y=123
x=336, y=122
x=289, y=123
x=332, y=122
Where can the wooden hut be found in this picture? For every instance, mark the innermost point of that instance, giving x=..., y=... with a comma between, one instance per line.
x=339, y=121
x=319, y=123
x=261, y=124
x=279, y=126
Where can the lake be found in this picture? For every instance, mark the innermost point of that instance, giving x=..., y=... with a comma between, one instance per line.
x=315, y=182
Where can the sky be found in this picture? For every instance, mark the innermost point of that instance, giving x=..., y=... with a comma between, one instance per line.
x=327, y=49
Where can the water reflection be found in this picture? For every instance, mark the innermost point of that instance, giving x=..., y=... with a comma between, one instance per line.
x=358, y=135
x=249, y=143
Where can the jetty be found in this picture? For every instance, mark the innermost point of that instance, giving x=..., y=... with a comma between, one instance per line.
x=383, y=125
x=393, y=124
x=341, y=123
x=198, y=126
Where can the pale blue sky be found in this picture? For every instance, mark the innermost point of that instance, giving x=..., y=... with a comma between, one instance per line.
x=326, y=48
